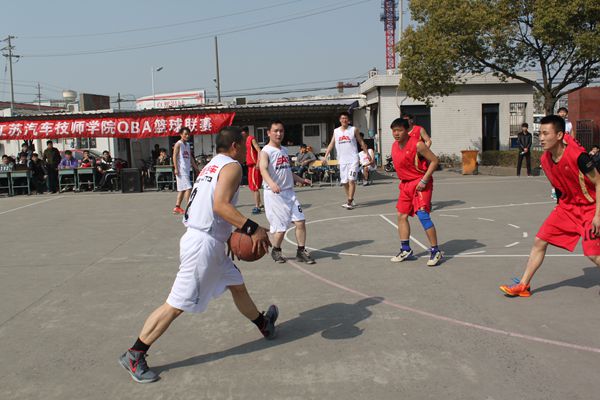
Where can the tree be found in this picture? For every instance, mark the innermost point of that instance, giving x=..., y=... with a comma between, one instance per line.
x=558, y=40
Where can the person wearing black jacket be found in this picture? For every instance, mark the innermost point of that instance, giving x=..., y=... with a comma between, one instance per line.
x=51, y=158
x=38, y=173
x=525, y=140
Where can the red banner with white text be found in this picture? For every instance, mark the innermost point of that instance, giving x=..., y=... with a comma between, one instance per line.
x=115, y=127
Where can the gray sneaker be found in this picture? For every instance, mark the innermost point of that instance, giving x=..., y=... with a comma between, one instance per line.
x=304, y=256
x=403, y=255
x=277, y=256
x=135, y=363
x=268, y=330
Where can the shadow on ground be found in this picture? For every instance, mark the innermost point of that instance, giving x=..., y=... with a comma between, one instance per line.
x=457, y=246
x=438, y=205
x=338, y=248
x=589, y=279
x=334, y=321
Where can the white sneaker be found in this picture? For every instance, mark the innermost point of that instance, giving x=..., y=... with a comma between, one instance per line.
x=349, y=206
x=403, y=255
x=434, y=259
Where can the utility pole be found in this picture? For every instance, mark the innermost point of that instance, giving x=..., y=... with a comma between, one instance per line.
x=39, y=96
x=218, y=81
x=10, y=56
x=119, y=101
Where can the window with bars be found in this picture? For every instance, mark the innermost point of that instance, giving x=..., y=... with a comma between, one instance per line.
x=261, y=135
x=85, y=143
x=517, y=117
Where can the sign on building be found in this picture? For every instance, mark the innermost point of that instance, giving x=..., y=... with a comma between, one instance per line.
x=172, y=100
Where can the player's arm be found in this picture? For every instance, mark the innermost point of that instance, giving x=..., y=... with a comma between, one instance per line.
x=263, y=164
x=362, y=144
x=228, y=182
x=330, y=147
x=298, y=179
x=257, y=148
x=587, y=166
x=194, y=165
x=427, y=154
x=176, y=158
x=425, y=136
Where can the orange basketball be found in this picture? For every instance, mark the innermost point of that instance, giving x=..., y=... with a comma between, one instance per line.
x=241, y=246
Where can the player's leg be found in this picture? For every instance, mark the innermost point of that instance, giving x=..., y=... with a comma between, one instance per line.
x=302, y=254
x=422, y=203
x=404, y=234
x=265, y=322
x=366, y=175
x=536, y=257
x=158, y=322
x=186, y=196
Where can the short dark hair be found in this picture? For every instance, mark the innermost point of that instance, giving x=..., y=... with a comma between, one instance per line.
x=556, y=120
x=246, y=129
x=49, y=142
x=303, y=145
x=228, y=136
x=105, y=152
x=4, y=156
x=184, y=129
x=407, y=115
x=24, y=144
x=343, y=113
x=68, y=153
x=35, y=155
x=86, y=151
x=399, y=123
x=563, y=109
x=162, y=149
x=596, y=146
x=524, y=125
x=276, y=121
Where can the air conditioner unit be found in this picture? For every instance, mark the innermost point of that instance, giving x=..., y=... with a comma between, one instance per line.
x=372, y=73
x=240, y=101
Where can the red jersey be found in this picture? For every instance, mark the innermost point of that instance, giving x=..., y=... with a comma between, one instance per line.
x=406, y=160
x=251, y=153
x=575, y=187
x=415, y=131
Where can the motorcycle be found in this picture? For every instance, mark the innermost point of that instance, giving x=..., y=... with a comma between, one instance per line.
x=389, y=165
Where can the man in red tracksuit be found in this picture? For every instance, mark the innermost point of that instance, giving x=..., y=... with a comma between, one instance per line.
x=573, y=173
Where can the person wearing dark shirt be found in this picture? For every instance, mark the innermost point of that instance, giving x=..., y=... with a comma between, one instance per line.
x=107, y=172
x=26, y=151
x=38, y=173
x=303, y=160
x=525, y=140
x=155, y=153
x=163, y=159
x=51, y=158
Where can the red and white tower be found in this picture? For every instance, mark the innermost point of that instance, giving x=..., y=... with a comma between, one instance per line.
x=389, y=16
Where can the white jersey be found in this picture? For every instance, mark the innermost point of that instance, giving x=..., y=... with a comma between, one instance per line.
x=345, y=145
x=199, y=213
x=183, y=160
x=280, y=167
x=568, y=126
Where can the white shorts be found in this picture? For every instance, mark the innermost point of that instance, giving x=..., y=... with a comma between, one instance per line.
x=282, y=209
x=371, y=167
x=183, y=182
x=205, y=272
x=348, y=172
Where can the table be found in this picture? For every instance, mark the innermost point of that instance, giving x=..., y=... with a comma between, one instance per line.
x=6, y=175
x=66, y=172
x=86, y=171
x=14, y=175
x=164, y=169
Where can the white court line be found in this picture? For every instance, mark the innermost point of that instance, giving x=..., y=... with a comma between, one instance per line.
x=29, y=205
x=500, y=206
x=412, y=238
x=471, y=253
x=525, y=234
x=448, y=215
x=514, y=226
x=512, y=244
x=486, y=219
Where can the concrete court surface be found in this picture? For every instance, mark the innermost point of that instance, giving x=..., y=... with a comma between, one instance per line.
x=79, y=273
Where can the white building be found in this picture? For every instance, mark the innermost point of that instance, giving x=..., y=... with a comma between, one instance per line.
x=484, y=114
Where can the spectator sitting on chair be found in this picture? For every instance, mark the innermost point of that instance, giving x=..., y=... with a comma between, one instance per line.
x=303, y=160
x=38, y=173
x=6, y=164
x=69, y=162
x=107, y=172
x=22, y=161
x=595, y=149
x=87, y=161
x=525, y=140
x=367, y=165
x=163, y=159
x=25, y=150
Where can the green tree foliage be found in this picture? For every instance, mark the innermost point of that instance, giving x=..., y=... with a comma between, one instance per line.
x=559, y=40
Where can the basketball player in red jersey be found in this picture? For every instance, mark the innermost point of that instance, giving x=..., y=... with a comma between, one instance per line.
x=572, y=172
x=254, y=176
x=416, y=188
x=417, y=129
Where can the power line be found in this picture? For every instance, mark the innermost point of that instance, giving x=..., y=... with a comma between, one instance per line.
x=157, y=27
x=296, y=84
x=257, y=25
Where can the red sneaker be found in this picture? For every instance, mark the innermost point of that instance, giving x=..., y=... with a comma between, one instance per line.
x=178, y=210
x=518, y=289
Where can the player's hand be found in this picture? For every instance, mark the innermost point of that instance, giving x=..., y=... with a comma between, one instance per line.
x=176, y=172
x=596, y=225
x=307, y=182
x=260, y=239
x=421, y=187
x=275, y=188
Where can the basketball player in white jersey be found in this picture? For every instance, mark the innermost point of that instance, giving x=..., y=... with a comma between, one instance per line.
x=281, y=206
x=345, y=139
x=182, y=166
x=205, y=271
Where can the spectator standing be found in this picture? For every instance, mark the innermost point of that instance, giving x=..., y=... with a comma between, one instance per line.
x=564, y=114
x=254, y=176
x=38, y=173
x=26, y=151
x=51, y=158
x=155, y=153
x=525, y=140
x=367, y=163
x=182, y=166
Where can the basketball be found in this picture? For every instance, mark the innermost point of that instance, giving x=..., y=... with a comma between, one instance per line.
x=241, y=246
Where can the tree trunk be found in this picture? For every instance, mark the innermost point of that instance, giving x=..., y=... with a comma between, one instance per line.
x=549, y=102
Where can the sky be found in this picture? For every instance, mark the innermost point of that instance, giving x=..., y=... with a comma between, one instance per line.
x=314, y=43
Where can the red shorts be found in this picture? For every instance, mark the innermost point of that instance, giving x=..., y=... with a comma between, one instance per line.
x=410, y=200
x=254, y=178
x=563, y=228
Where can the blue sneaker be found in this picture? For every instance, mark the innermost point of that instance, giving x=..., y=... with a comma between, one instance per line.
x=256, y=210
x=135, y=363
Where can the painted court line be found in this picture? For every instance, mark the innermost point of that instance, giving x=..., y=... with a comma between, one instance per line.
x=525, y=234
x=486, y=219
x=514, y=226
x=412, y=238
x=512, y=244
x=29, y=205
x=448, y=319
x=471, y=253
x=500, y=206
x=448, y=215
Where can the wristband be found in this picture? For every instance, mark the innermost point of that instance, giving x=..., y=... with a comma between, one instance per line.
x=424, y=182
x=249, y=227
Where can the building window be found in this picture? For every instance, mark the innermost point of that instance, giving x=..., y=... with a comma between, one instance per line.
x=261, y=135
x=517, y=117
x=312, y=130
x=85, y=143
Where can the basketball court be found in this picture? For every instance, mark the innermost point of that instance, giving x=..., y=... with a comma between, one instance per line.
x=81, y=272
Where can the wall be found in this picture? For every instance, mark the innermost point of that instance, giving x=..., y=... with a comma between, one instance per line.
x=585, y=104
